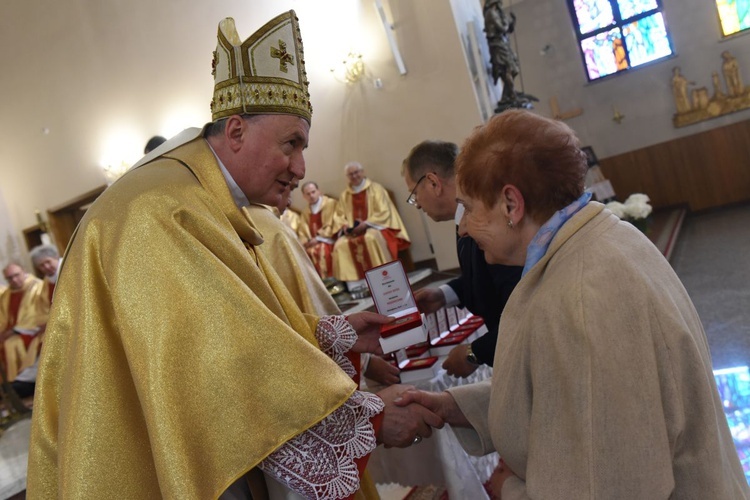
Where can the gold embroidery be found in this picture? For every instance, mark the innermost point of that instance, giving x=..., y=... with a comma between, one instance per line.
x=283, y=56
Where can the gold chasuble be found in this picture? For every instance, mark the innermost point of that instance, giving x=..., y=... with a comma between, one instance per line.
x=322, y=224
x=175, y=359
x=292, y=220
x=352, y=256
x=289, y=260
x=29, y=314
x=287, y=256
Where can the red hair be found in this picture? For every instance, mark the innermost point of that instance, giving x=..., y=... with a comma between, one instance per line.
x=540, y=156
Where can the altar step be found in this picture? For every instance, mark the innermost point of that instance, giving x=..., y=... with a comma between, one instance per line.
x=664, y=228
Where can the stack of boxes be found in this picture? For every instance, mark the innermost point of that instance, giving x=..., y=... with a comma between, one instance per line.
x=446, y=328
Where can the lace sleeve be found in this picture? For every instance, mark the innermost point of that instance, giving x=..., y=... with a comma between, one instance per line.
x=319, y=463
x=336, y=337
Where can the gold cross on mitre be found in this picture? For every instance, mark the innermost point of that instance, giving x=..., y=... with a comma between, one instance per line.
x=282, y=55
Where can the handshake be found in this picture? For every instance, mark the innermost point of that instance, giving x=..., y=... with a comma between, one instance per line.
x=410, y=415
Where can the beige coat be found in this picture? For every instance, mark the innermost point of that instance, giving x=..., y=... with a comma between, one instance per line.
x=602, y=384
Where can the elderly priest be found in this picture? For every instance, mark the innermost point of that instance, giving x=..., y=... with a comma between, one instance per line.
x=371, y=230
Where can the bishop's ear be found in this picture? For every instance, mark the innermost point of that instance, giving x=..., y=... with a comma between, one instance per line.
x=234, y=131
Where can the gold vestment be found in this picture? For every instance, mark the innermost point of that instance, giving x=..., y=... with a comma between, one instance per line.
x=175, y=359
x=288, y=258
x=320, y=254
x=380, y=211
x=33, y=313
x=291, y=219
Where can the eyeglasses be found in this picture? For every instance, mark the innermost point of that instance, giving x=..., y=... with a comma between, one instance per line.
x=412, y=199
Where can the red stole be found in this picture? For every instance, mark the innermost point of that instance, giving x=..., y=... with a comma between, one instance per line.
x=357, y=246
x=316, y=222
x=359, y=206
x=13, y=307
x=321, y=252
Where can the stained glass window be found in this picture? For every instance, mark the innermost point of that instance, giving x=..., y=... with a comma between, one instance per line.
x=734, y=15
x=616, y=35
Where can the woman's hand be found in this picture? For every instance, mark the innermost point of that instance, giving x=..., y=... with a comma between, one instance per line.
x=440, y=403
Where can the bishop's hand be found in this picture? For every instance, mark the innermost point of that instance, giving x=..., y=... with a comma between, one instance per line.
x=367, y=325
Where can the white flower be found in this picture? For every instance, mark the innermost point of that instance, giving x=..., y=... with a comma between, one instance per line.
x=638, y=210
x=617, y=208
x=638, y=198
x=637, y=206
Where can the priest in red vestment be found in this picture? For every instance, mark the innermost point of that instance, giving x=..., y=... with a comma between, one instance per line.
x=371, y=229
x=318, y=229
x=23, y=312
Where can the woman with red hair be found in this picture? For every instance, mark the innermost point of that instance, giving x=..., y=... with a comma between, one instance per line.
x=602, y=384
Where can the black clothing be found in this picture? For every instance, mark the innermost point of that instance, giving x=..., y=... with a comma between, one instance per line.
x=483, y=289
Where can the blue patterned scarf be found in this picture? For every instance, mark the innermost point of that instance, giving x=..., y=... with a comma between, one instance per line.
x=540, y=243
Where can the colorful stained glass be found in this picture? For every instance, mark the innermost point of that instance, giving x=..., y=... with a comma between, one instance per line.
x=734, y=15
x=593, y=14
x=616, y=35
x=630, y=8
x=646, y=39
x=600, y=53
x=734, y=390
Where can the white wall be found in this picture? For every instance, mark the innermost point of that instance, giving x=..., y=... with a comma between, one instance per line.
x=10, y=247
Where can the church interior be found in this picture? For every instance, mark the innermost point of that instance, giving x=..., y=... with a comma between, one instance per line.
x=87, y=83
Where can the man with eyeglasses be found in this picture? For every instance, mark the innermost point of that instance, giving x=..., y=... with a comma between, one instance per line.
x=371, y=232
x=482, y=288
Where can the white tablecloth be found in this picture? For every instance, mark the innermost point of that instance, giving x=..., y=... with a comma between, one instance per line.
x=439, y=460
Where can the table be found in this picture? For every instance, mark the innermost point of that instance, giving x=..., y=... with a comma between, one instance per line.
x=438, y=460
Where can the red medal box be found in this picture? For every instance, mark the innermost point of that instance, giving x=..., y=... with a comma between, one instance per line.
x=402, y=324
x=418, y=351
x=419, y=369
x=446, y=345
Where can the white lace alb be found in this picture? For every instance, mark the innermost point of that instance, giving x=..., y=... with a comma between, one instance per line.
x=319, y=463
x=336, y=337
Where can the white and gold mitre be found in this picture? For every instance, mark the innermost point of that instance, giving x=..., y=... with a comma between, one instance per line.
x=265, y=74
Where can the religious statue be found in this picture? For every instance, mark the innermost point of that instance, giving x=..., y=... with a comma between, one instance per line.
x=732, y=74
x=718, y=92
x=679, y=89
x=497, y=27
x=695, y=105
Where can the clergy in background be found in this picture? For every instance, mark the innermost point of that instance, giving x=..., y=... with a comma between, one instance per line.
x=371, y=230
x=318, y=229
x=46, y=260
x=24, y=309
